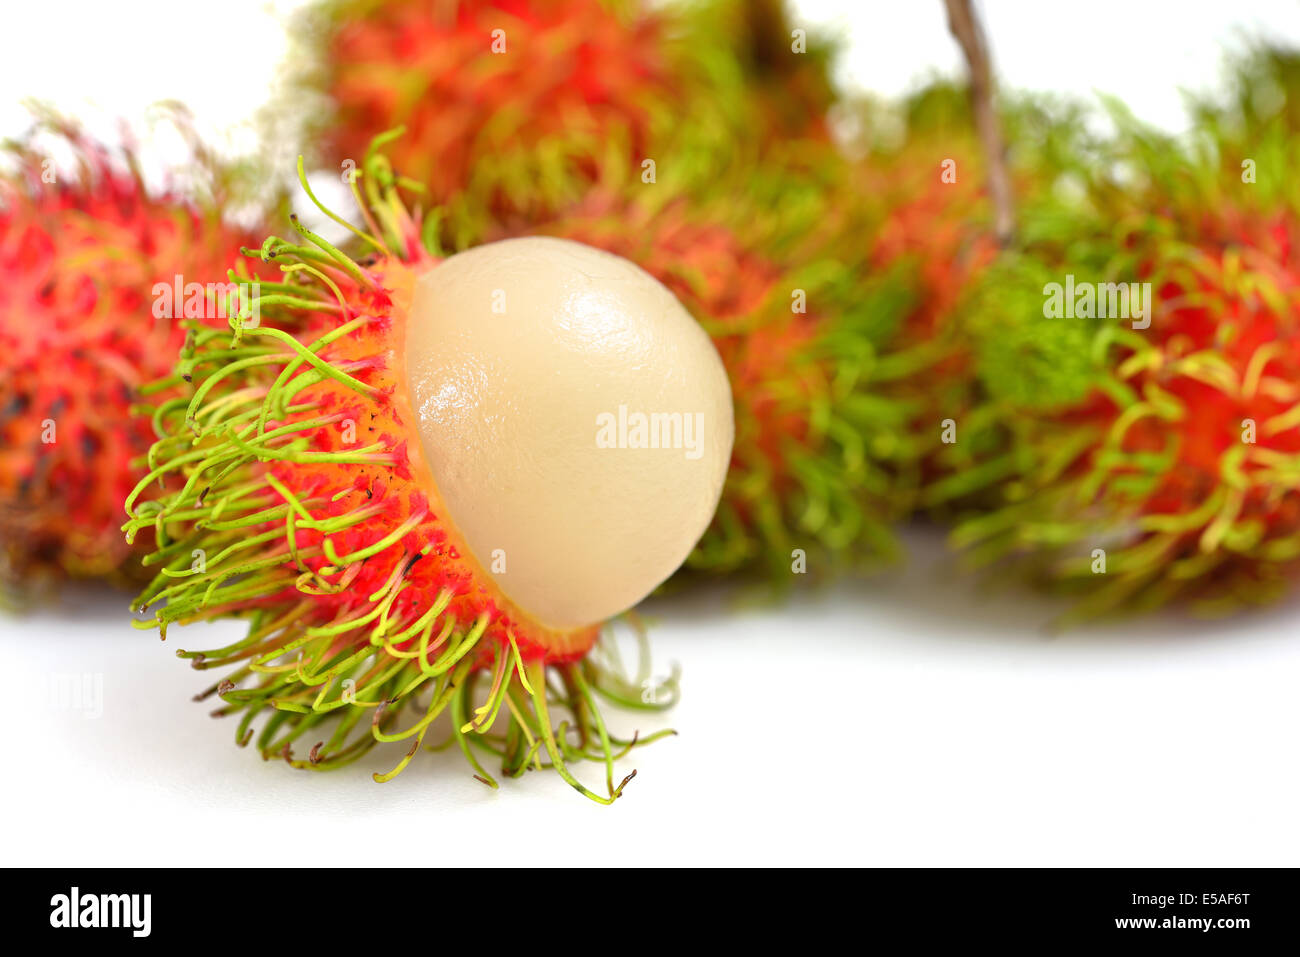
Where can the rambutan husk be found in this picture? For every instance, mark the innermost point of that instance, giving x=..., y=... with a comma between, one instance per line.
x=510, y=104
x=1133, y=467
x=477, y=84
x=288, y=487
x=80, y=252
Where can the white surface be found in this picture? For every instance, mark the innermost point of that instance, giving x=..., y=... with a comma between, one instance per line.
x=902, y=721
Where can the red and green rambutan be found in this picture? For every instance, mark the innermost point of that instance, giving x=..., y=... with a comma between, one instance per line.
x=509, y=105
x=476, y=86
x=81, y=250
x=368, y=615
x=1135, y=464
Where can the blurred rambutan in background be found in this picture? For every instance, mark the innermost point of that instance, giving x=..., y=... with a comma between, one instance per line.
x=510, y=103
x=1136, y=464
x=81, y=250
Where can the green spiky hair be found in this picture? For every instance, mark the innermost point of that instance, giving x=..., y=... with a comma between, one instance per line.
x=1134, y=466
x=508, y=103
x=286, y=487
x=919, y=167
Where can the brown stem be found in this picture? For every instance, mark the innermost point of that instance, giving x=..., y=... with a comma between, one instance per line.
x=965, y=26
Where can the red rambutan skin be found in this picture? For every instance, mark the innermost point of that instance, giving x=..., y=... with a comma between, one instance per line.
x=937, y=229
x=1160, y=463
x=79, y=258
x=1205, y=305
x=572, y=69
x=513, y=106
x=936, y=225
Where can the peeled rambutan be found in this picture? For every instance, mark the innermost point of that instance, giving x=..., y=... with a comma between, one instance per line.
x=1139, y=366
x=81, y=252
x=413, y=473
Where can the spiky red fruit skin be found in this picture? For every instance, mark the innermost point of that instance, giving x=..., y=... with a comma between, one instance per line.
x=1266, y=250
x=519, y=133
x=1209, y=307
x=1170, y=450
x=570, y=71
x=936, y=220
x=79, y=259
x=940, y=227
x=939, y=231
x=288, y=486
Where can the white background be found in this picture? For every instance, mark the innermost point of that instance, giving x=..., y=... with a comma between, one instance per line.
x=912, y=719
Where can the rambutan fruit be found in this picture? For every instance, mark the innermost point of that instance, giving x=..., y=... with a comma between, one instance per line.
x=919, y=166
x=1139, y=366
x=509, y=105
x=477, y=85
x=413, y=473
x=81, y=252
